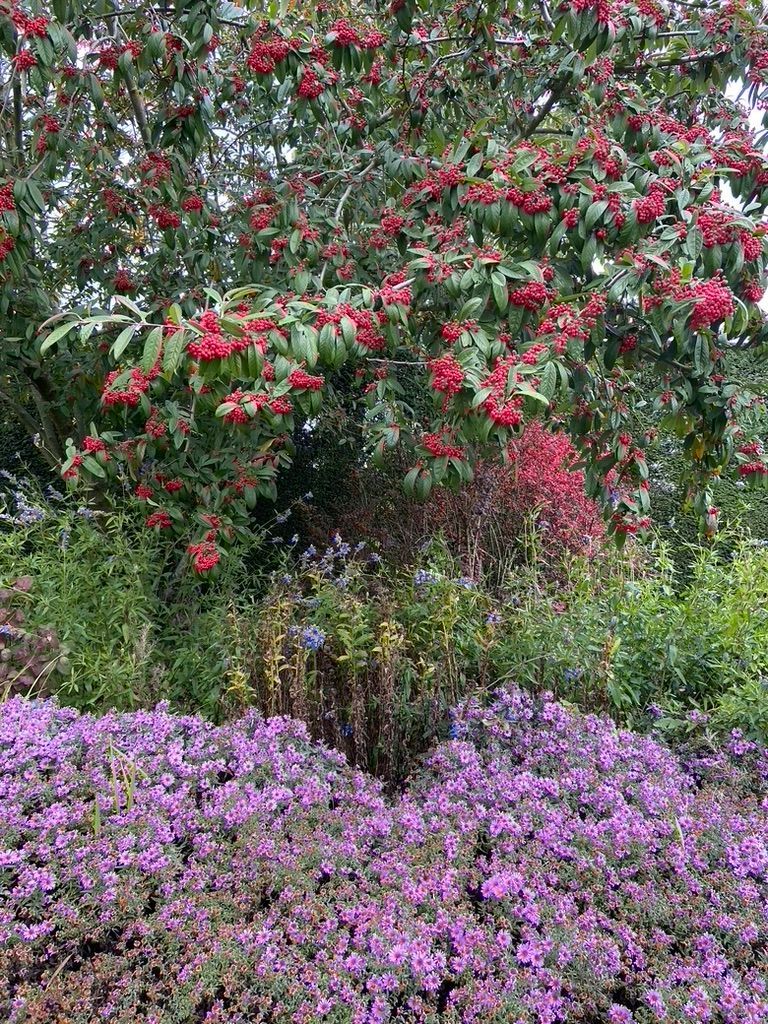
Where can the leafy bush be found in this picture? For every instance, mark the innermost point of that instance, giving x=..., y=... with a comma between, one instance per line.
x=371, y=657
x=629, y=639
x=670, y=467
x=533, y=509
x=128, y=627
x=483, y=202
x=542, y=867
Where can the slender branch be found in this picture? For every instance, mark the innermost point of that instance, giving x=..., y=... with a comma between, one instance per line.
x=546, y=108
x=673, y=62
x=46, y=419
x=17, y=136
x=139, y=110
x=20, y=413
x=544, y=8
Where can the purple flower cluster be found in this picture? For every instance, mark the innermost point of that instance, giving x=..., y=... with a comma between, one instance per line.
x=542, y=867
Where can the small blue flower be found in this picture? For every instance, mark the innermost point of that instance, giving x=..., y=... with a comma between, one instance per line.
x=572, y=674
x=287, y=579
x=6, y=630
x=312, y=638
x=310, y=552
x=465, y=582
x=86, y=513
x=493, y=618
x=294, y=539
x=283, y=517
x=654, y=712
x=308, y=496
x=422, y=578
x=347, y=730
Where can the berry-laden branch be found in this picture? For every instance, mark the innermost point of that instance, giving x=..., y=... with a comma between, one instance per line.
x=508, y=202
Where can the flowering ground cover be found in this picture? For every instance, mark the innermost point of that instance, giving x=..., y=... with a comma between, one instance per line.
x=542, y=867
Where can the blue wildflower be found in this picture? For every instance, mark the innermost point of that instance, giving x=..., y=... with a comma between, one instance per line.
x=422, y=577
x=312, y=638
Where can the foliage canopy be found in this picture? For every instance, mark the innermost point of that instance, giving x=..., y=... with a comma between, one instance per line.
x=219, y=221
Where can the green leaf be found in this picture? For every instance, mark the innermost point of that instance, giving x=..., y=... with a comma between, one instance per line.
x=594, y=213
x=93, y=467
x=474, y=165
x=123, y=340
x=130, y=304
x=500, y=292
x=152, y=348
x=56, y=335
x=172, y=352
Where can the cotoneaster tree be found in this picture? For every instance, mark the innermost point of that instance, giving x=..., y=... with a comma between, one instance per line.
x=219, y=223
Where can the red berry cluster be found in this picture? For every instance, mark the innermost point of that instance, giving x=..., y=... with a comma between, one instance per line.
x=165, y=218
x=7, y=245
x=447, y=375
x=160, y=520
x=93, y=445
x=571, y=217
x=265, y=55
x=205, y=555
x=529, y=202
x=123, y=282
x=531, y=296
x=301, y=381
x=502, y=410
x=714, y=302
x=751, y=245
x=7, y=202
x=649, y=208
x=310, y=87
x=30, y=27
x=346, y=35
x=367, y=323
x=130, y=396
x=437, y=446
x=753, y=291
x=24, y=60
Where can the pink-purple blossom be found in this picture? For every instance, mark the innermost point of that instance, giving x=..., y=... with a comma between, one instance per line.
x=544, y=868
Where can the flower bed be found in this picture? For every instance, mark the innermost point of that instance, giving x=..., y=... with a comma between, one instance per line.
x=542, y=867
